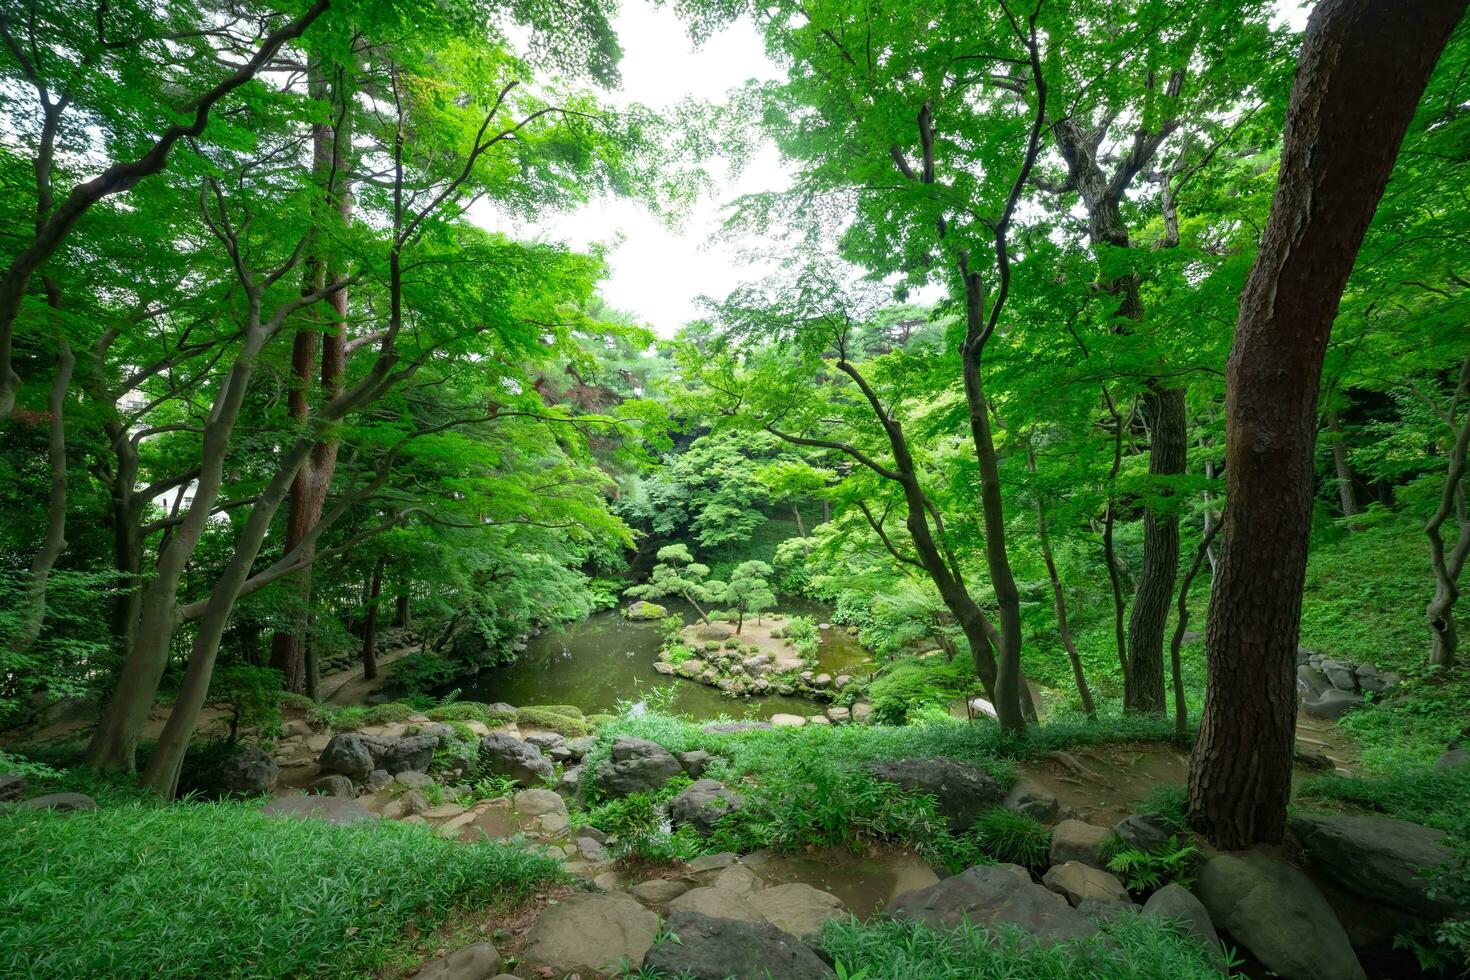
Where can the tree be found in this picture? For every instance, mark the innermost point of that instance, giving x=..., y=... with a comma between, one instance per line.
x=749, y=591
x=677, y=573
x=1363, y=66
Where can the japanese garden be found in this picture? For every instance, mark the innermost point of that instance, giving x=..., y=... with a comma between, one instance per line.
x=856, y=489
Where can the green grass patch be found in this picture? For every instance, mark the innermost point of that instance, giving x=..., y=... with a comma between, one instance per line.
x=562, y=724
x=470, y=711
x=221, y=890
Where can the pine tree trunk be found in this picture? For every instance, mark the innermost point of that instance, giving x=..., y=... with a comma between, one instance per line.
x=1363, y=67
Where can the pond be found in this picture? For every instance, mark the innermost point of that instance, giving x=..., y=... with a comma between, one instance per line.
x=605, y=659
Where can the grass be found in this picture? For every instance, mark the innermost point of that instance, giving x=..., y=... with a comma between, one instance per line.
x=1434, y=797
x=221, y=890
x=1012, y=838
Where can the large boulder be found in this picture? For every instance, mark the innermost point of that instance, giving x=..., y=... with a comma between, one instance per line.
x=961, y=791
x=702, y=805
x=799, y=908
x=1143, y=831
x=13, y=787
x=248, y=771
x=1277, y=914
x=590, y=934
x=330, y=809
x=478, y=962
x=1178, y=904
x=636, y=765
x=1077, y=883
x=1343, y=676
x=1032, y=800
x=643, y=610
x=1075, y=840
x=995, y=895
x=350, y=755
x=60, y=802
x=1332, y=704
x=714, y=949
x=537, y=802
x=506, y=755
x=718, y=903
x=695, y=762
x=412, y=753
x=1378, y=858
x=1311, y=682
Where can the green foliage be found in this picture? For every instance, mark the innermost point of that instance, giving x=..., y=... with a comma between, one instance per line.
x=678, y=653
x=1409, y=730
x=1436, y=797
x=804, y=636
x=212, y=877
x=419, y=673
x=1146, y=871
x=251, y=696
x=678, y=574
x=906, y=685
x=749, y=589
x=1012, y=838
x=469, y=711
x=1130, y=947
x=571, y=727
x=636, y=820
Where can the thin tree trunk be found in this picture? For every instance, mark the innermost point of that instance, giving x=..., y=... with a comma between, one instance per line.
x=1345, y=493
x=1110, y=553
x=402, y=614
x=1440, y=613
x=1059, y=602
x=1211, y=520
x=1181, y=624
x=1362, y=70
x=370, y=624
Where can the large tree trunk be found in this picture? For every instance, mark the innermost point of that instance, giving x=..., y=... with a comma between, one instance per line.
x=1363, y=67
x=1143, y=688
x=290, y=649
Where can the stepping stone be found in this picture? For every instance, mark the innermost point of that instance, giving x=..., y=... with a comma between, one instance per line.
x=475, y=962
x=1076, y=882
x=331, y=809
x=590, y=933
x=711, y=949
x=658, y=891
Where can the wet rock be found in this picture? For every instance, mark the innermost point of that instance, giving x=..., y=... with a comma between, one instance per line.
x=992, y=896
x=1033, y=800
x=329, y=809
x=333, y=785
x=413, y=753
x=478, y=962
x=506, y=755
x=587, y=933
x=1077, y=882
x=1376, y=857
x=636, y=765
x=962, y=791
x=695, y=762
x=349, y=755
x=1143, y=831
x=1332, y=704
x=663, y=667
x=1277, y=914
x=714, y=949
x=658, y=892
x=60, y=802
x=1179, y=904
x=799, y=908
x=535, y=802
x=13, y=786
x=702, y=805
x=1074, y=840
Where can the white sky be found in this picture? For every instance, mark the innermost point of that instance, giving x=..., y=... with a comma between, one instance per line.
x=656, y=272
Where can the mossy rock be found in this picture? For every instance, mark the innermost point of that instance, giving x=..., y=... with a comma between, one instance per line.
x=570, y=710
x=600, y=719
x=643, y=610
x=550, y=720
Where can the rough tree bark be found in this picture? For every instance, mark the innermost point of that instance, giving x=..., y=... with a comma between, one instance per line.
x=1345, y=492
x=1363, y=66
x=1440, y=613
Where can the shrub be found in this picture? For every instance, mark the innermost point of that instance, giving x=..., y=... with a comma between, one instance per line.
x=550, y=720
x=252, y=698
x=1012, y=838
x=803, y=633
x=1147, y=871
x=420, y=673
x=732, y=644
x=220, y=889
x=712, y=646
x=678, y=653
x=908, y=684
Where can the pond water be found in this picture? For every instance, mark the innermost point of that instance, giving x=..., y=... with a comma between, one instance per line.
x=605, y=659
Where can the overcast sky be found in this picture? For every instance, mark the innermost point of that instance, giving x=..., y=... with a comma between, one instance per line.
x=657, y=273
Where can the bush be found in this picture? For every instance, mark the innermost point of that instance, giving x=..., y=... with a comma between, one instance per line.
x=1147, y=871
x=732, y=644
x=803, y=633
x=219, y=889
x=252, y=698
x=1012, y=838
x=906, y=685
x=419, y=673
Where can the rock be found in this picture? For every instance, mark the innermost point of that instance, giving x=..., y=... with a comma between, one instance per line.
x=249, y=771
x=735, y=726
x=1100, y=910
x=824, y=626
x=1332, y=704
x=1143, y=831
x=1311, y=682
x=1379, y=682
x=642, y=610
x=536, y=802
x=478, y=962
x=818, y=720
x=658, y=891
x=702, y=805
x=1452, y=758
x=333, y=785
x=695, y=762
x=1379, y=858
x=554, y=823
x=994, y=895
x=636, y=765
x=413, y=753
x=717, y=903
x=841, y=681
x=545, y=741
x=1178, y=903
x=712, y=862
x=839, y=715
x=295, y=728
x=1277, y=914
x=799, y=908
x=1342, y=676
x=439, y=732
x=13, y=786
x=1076, y=881
x=379, y=778
x=444, y=811
x=330, y=809
x=591, y=850
x=570, y=783
x=414, y=804
x=1073, y=840
x=414, y=780
x=822, y=680
x=349, y=755
x=714, y=949
x=579, y=747
x=738, y=879
x=787, y=721
x=60, y=802
x=589, y=933
x=961, y=791
x=862, y=713
x=1033, y=800
x=506, y=755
